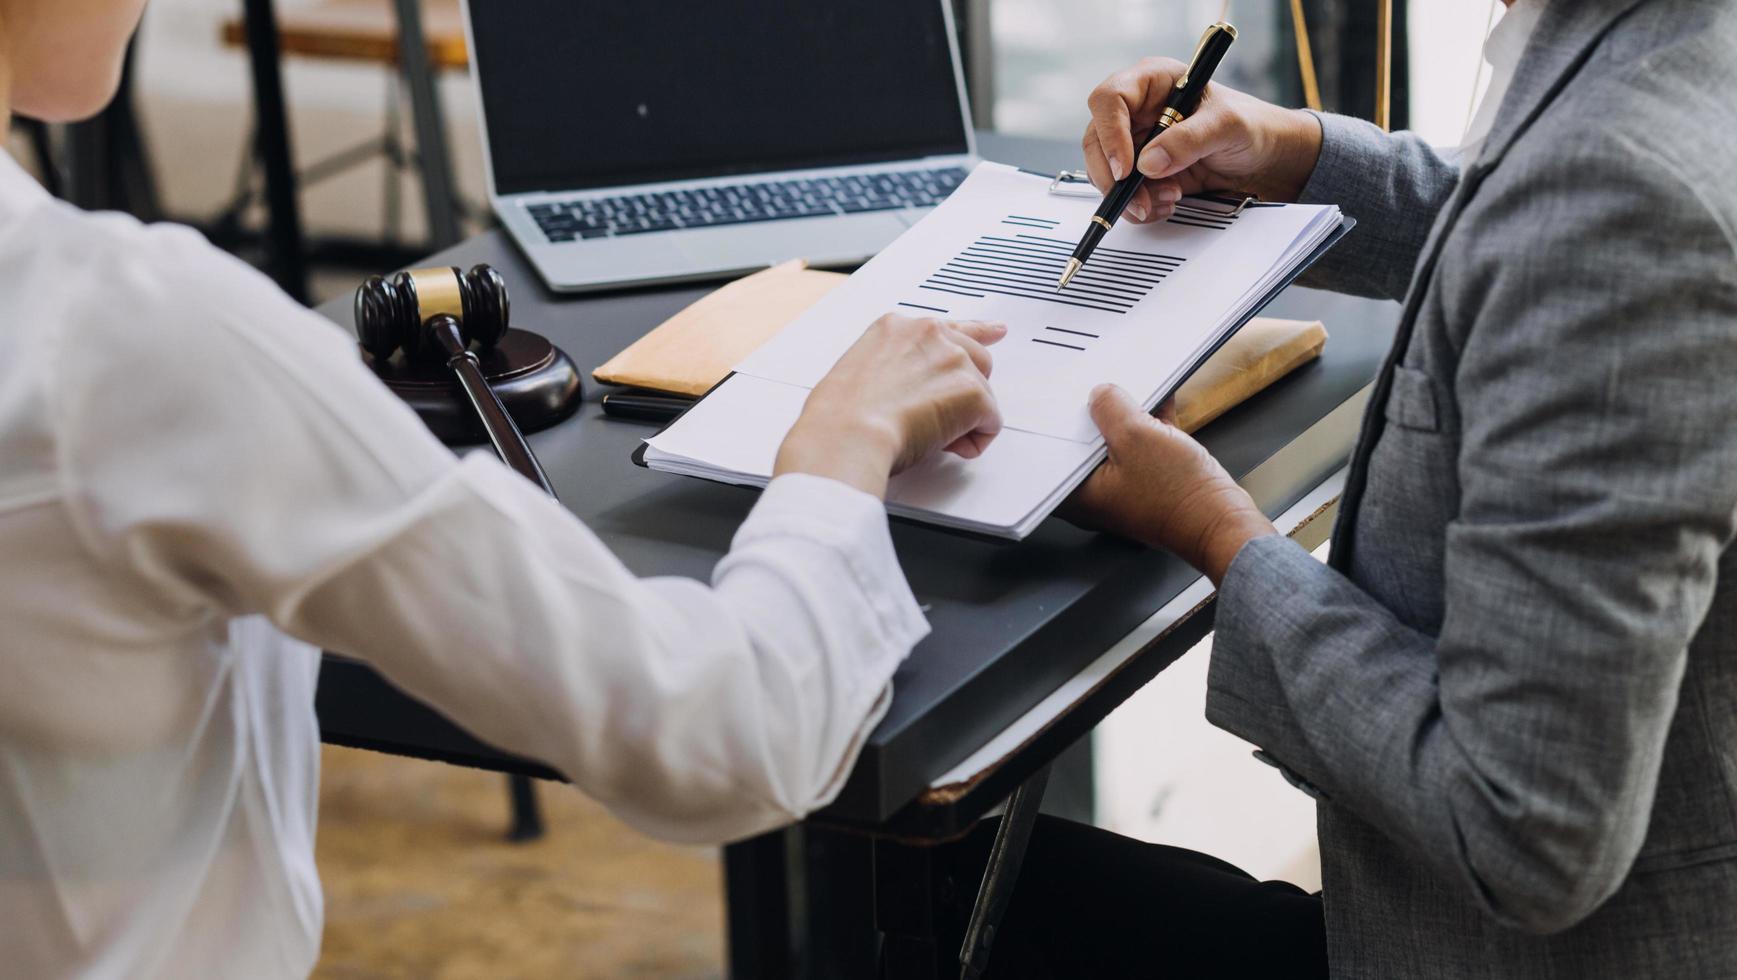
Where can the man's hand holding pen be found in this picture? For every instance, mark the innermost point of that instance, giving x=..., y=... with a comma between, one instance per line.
x=1232, y=141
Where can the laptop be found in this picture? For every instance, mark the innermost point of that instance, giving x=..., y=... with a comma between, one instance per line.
x=636, y=143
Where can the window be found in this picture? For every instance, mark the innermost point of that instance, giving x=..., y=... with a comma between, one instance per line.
x=1047, y=55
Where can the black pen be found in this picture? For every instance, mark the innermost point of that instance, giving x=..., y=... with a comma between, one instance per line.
x=1183, y=100
x=644, y=407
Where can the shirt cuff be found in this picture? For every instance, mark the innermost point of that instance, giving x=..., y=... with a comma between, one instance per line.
x=852, y=524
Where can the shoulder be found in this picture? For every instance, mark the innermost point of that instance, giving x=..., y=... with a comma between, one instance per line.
x=160, y=334
x=1575, y=184
x=1648, y=118
x=1611, y=240
x=151, y=289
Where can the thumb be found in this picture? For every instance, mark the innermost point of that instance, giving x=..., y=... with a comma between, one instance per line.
x=1183, y=145
x=1116, y=413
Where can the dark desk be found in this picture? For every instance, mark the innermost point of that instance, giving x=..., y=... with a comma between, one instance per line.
x=1011, y=623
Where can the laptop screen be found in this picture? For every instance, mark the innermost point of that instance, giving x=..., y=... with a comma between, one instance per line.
x=583, y=93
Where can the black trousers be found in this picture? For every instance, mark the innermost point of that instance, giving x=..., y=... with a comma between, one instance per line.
x=1090, y=903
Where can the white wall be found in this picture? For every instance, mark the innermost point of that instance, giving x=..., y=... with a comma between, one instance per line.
x=1446, y=42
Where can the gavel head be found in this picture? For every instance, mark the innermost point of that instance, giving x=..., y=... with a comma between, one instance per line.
x=394, y=313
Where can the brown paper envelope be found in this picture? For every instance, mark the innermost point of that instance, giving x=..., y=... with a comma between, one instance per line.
x=1262, y=352
x=695, y=349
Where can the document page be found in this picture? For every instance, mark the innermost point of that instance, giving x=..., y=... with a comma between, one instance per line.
x=1151, y=302
x=1138, y=313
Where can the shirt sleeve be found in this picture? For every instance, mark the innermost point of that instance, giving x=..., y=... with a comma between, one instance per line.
x=1518, y=752
x=225, y=450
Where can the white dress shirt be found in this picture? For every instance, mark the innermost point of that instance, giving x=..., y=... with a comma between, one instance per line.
x=1502, y=51
x=194, y=470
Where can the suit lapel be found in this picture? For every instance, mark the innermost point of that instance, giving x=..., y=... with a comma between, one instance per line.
x=1566, y=35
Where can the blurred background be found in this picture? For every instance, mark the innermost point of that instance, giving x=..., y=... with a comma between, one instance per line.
x=420, y=879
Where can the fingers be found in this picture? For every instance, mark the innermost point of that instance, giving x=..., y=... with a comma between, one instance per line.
x=1112, y=126
x=962, y=414
x=965, y=333
x=1167, y=411
x=982, y=331
x=1166, y=193
x=972, y=444
x=1155, y=200
x=1116, y=413
x=1140, y=205
x=1097, y=167
x=1183, y=145
x=1120, y=102
x=981, y=408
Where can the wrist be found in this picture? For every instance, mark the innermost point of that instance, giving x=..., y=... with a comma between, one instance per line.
x=1295, y=146
x=1210, y=525
x=1227, y=536
x=857, y=452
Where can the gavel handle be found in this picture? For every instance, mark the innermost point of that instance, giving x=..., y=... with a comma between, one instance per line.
x=503, y=432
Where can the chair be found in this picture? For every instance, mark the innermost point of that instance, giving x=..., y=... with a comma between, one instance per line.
x=366, y=31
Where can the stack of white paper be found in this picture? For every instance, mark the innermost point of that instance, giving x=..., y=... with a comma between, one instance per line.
x=1143, y=313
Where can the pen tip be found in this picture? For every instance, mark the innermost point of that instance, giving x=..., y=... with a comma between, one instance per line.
x=1067, y=274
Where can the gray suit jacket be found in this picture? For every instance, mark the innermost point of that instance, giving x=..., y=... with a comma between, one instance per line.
x=1515, y=688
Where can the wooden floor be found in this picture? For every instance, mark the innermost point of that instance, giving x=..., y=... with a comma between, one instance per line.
x=420, y=882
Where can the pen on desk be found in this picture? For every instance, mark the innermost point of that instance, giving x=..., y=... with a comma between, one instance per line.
x=1184, y=98
x=640, y=407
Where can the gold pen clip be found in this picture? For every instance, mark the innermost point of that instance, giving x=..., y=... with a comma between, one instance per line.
x=1195, y=57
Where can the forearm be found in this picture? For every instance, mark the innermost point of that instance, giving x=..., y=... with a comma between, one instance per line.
x=1335, y=688
x=695, y=712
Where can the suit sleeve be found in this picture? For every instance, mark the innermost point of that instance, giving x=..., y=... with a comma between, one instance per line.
x=1394, y=184
x=1518, y=752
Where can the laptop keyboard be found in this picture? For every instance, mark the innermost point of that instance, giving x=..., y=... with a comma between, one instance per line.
x=710, y=207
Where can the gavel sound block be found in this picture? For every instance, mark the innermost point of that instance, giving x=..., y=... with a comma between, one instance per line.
x=536, y=381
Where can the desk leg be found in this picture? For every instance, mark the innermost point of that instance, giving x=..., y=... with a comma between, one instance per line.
x=527, y=815
x=757, y=906
x=906, y=909
x=800, y=904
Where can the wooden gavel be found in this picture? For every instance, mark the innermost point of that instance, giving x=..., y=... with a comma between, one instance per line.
x=436, y=315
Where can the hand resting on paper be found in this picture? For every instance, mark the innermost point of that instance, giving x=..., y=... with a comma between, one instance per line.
x=906, y=388
x=1163, y=489
x=1232, y=141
